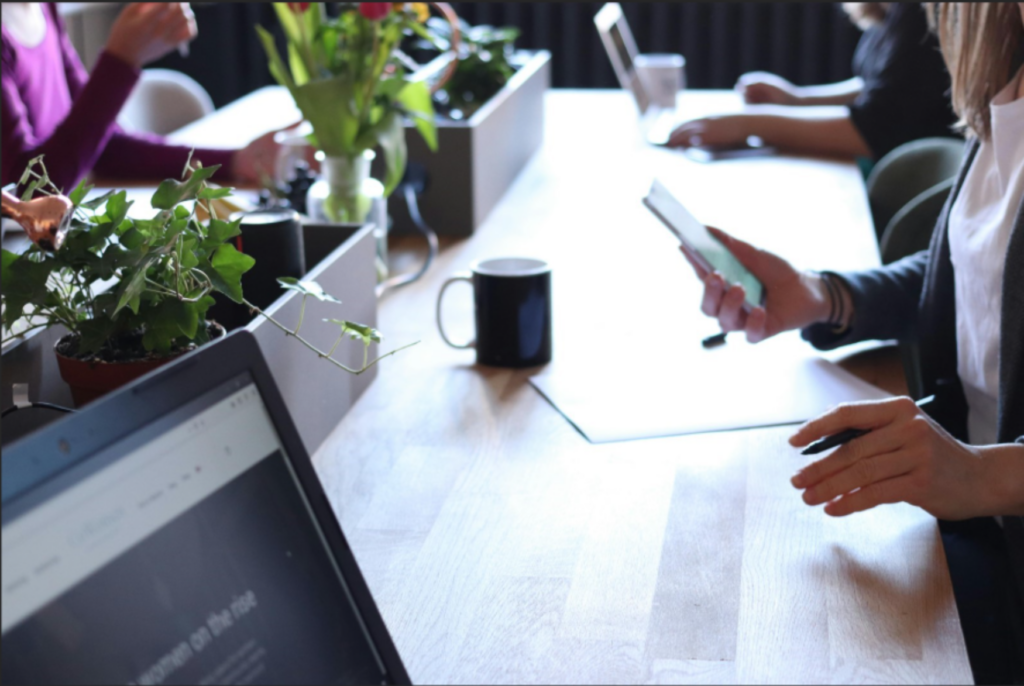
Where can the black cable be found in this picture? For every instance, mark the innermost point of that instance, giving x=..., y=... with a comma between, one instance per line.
x=40, y=405
x=428, y=233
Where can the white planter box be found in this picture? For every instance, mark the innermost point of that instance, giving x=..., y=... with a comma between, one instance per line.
x=479, y=158
x=317, y=393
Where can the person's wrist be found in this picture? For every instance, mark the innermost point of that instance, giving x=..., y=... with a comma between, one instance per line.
x=797, y=94
x=821, y=305
x=840, y=302
x=1000, y=480
x=124, y=56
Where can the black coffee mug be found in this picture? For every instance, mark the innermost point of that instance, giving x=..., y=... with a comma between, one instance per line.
x=512, y=298
x=273, y=237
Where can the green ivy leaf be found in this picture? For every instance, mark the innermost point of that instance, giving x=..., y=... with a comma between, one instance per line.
x=188, y=254
x=170, y=192
x=169, y=319
x=94, y=333
x=97, y=201
x=358, y=332
x=133, y=239
x=185, y=316
x=5, y=271
x=215, y=193
x=133, y=287
x=174, y=229
x=81, y=190
x=219, y=232
x=117, y=207
x=24, y=283
x=312, y=288
x=201, y=307
x=112, y=259
x=226, y=269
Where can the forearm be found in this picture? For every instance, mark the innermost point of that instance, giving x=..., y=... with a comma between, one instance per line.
x=841, y=93
x=145, y=157
x=1000, y=479
x=826, y=135
x=76, y=144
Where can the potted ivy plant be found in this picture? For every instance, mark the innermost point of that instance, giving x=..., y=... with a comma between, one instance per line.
x=133, y=293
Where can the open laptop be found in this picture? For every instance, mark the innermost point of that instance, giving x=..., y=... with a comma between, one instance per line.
x=176, y=532
x=656, y=122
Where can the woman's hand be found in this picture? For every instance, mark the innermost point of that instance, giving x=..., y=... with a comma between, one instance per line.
x=906, y=457
x=255, y=164
x=793, y=299
x=761, y=87
x=146, y=31
x=724, y=130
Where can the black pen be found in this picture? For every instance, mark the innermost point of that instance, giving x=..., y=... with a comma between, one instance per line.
x=823, y=444
x=714, y=341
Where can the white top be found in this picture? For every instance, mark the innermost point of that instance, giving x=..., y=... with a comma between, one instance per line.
x=979, y=234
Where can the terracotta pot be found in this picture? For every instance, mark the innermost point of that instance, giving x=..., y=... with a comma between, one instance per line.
x=91, y=380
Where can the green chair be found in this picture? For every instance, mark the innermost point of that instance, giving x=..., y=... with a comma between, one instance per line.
x=908, y=232
x=908, y=171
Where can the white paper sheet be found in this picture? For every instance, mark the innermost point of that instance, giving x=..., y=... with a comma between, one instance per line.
x=735, y=386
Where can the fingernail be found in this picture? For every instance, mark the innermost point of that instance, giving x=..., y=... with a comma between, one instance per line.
x=798, y=480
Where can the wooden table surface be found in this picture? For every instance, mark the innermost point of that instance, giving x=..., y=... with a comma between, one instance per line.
x=503, y=547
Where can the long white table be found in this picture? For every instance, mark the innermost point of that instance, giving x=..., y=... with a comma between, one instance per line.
x=501, y=546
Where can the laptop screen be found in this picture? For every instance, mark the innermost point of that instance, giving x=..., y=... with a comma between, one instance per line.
x=185, y=553
x=621, y=48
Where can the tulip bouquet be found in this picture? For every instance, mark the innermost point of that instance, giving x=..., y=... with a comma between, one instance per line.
x=352, y=87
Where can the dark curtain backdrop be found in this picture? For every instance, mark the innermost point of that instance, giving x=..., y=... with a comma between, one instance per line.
x=808, y=42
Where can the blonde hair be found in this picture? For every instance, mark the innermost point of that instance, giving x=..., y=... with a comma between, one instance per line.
x=980, y=42
x=866, y=14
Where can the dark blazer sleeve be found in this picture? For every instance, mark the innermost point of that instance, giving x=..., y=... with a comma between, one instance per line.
x=885, y=303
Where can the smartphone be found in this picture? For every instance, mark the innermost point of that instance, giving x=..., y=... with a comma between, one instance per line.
x=706, y=248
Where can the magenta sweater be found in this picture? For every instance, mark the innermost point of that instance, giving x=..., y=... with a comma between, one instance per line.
x=53, y=107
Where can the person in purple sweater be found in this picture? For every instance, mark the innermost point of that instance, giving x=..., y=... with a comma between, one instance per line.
x=51, y=106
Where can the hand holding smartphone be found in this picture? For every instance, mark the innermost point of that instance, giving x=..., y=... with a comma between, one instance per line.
x=705, y=248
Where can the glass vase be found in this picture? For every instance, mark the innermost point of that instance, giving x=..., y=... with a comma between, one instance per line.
x=347, y=194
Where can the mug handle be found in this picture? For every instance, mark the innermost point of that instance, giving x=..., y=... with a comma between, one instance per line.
x=440, y=296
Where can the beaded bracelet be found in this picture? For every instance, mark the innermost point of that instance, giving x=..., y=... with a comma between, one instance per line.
x=837, y=309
